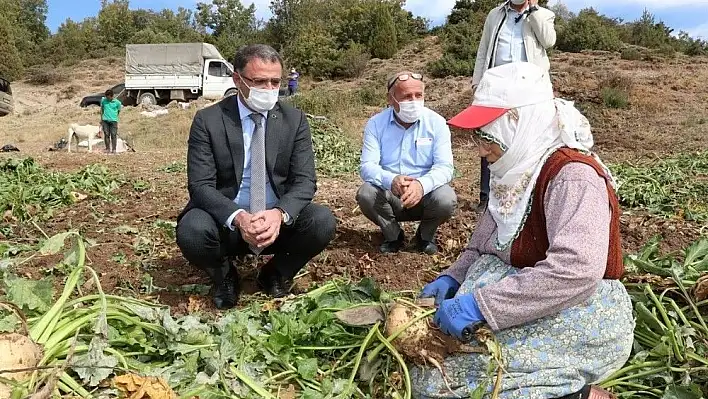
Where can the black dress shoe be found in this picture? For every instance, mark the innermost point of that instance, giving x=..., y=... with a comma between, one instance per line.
x=426, y=247
x=391, y=247
x=226, y=293
x=274, y=284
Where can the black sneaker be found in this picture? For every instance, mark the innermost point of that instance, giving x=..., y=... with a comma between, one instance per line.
x=391, y=247
x=226, y=294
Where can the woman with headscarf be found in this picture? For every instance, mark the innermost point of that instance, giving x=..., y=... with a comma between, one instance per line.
x=542, y=267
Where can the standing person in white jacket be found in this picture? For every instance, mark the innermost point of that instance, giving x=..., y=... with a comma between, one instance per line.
x=516, y=31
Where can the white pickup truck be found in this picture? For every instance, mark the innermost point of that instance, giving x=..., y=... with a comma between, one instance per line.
x=176, y=71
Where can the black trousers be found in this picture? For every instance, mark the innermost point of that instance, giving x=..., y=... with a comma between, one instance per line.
x=207, y=244
x=485, y=175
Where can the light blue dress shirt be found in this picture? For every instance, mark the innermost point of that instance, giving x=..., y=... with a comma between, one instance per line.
x=510, y=44
x=243, y=198
x=423, y=151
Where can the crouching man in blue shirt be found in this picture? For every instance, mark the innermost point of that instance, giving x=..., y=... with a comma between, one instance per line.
x=406, y=165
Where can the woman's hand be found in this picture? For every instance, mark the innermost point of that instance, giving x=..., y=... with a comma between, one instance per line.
x=457, y=313
x=444, y=287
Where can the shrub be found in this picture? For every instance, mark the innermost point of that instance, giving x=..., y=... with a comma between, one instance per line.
x=631, y=54
x=615, y=98
x=352, y=61
x=383, y=41
x=615, y=91
x=372, y=95
x=45, y=75
x=590, y=31
x=448, y=65
x=69, y=92
x=10, y=58
x=667, y=51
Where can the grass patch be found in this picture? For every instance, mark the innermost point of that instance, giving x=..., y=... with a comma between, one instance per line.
x=669, y=187
x=615, y=91
x=615, y=98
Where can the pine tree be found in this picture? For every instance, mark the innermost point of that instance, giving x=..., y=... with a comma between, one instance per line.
x=384, y=44
x=11, y=61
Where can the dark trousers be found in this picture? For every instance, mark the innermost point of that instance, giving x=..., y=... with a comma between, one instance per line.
x=386, y=210
x=207, y=244
x=484, y=181
x=110, y=135
x=292, y=90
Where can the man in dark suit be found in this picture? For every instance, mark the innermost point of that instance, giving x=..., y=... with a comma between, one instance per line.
x=251, y=179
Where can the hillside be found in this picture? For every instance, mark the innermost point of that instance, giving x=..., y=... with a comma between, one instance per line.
x=668, y=114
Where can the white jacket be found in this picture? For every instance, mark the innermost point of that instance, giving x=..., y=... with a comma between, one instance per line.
x=539, y=35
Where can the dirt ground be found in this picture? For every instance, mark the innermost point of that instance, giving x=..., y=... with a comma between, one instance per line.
x=132, y=239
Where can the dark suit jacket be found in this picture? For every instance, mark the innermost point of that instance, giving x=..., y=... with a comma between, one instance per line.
x=215, y=159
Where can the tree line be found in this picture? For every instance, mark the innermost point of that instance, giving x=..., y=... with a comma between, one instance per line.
x=322, y=38
x=586, y=30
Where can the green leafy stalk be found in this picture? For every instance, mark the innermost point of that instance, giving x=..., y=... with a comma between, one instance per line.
x=41, y=331
x=401, y=362
x=251, y=384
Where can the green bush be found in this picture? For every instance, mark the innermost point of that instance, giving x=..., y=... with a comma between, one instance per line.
x=372, y=95
x=646, y=32
x=631, y=54
x=448, y=65
x=667, y=51
x=615, y=91
x=590, y=31
x=615, y=98
x=10, y=60
x=383, y=44
x=45, y=75
x=352, y=61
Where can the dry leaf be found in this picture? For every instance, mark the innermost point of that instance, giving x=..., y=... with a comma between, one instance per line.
x=288, y=393
x=195, y=305
x=139, y=387
x=701, y=289
x=78, y=196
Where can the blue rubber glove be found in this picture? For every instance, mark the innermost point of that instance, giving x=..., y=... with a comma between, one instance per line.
x=457, y=313
x=444, y=287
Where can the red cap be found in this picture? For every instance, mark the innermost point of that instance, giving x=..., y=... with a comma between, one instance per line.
x=476, y=116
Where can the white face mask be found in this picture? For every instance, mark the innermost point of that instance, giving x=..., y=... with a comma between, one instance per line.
x=261, y=100
x=410, y=111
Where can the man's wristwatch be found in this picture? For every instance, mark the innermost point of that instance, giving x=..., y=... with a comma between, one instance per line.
x=285, y=217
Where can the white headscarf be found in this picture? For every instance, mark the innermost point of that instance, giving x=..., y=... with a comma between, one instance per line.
x=528, y=135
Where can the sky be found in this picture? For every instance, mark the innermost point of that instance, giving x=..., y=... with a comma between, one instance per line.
x=688, y=15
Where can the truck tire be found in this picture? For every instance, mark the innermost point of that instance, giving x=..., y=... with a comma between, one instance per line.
x=231, y=92
x=147, y=99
